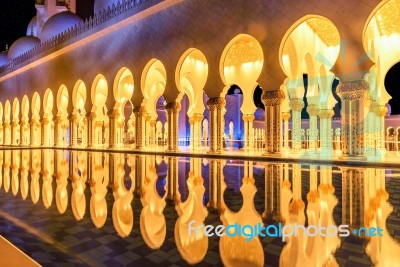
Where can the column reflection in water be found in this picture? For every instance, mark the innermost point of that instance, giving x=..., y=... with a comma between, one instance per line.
x=35, y=175
x=47, y=177
x=122, y=213
x=24, y=173
x=192, y=248
x=15, y=171
x=383, y=250
x=153, y=226
x=79, y=178
x=364, y=202
x=62, y=172
x=99, y=182
x=232, y=248
x=303, y=250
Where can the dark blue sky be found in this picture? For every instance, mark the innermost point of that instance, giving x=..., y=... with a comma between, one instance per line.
x=15, y=16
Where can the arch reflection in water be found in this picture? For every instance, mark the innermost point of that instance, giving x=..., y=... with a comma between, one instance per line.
x=175, y=191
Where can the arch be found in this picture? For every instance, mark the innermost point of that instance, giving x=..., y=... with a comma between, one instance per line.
x=48, y=103
x=241, y=63
x=99, y=91
x=62, y=99
x=35, y=105
x=325, y=33
x=7, y=111
x=79, y=96
x=15, y=110
x=153, y=82
x=123, y=86
x=191, y=76
x=25, y=108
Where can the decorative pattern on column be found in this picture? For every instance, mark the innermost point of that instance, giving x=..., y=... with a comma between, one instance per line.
x=216, y=106
x=296, y=105
x=325, y=116
x=313, y=110
x=172, y=119
x=14, y=133
x=45, y=132
x=57, y=130
x=140, y=112
x=272, y=101
x=353, y=95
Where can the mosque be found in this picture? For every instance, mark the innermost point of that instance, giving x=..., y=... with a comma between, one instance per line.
x=159, y=75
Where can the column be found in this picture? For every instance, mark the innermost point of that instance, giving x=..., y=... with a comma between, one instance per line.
x=112, y=116
x=140, y=113
x=172, y=119
x=73, y=130
x=152, y=134
x=91, y=129
x=381, y=112
x=33, y=136
x=248, y=120
x=216, y=106
x=45, y=132
x=296, y=104
x=325, y=116
x=273, y=181
x=313, y=130
x=286, y=117
x=272, y=101
x=353, y=95
x=57, y=131
x=14, y=133
x=22, y=133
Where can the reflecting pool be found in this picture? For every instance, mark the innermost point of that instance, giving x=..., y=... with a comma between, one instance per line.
x=110, y=209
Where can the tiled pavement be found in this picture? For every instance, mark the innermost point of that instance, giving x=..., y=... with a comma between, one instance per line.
x=79, y=243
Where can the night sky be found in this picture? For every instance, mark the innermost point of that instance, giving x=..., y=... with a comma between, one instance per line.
x=15, y=16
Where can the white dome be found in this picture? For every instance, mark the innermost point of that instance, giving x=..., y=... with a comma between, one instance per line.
x=3, y=58
x=58, y=24
x=32, y=27
x=100, y=5
x=22, y=45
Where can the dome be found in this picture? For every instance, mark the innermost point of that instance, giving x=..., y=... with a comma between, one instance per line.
x=22, y=45
x=32, y=27
x=3, y=58
x=100, y=5
x=58, y=24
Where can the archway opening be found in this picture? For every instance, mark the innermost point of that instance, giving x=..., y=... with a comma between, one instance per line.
x=79, y=130
x=15, y=129
x=99, y=111
x=124, y=121
x=25, y=129
x=191, y=76
x=241, y=65
x=62, y=117
x=36, y=131
x=48, y=123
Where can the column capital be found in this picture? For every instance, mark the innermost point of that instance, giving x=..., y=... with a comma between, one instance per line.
x=296, y=104
x=352, y=90
x=326, y=113
x=217, y=102
x=173, y=106
x=273, y=98
x=313, y=110
x=382, y=110
x=139, y=110
x=285, y=116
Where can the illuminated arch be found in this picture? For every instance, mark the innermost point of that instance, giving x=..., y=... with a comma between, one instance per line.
x=35, y=106
x=241, y=64
x=99, y=91
x=123, y=86
x=79, y=96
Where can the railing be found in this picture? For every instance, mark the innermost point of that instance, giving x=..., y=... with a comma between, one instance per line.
x=98, y=19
